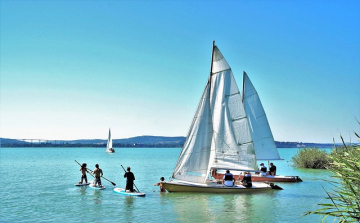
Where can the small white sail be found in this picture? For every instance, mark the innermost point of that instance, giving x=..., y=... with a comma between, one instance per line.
x=264, y=143
x=109, y=143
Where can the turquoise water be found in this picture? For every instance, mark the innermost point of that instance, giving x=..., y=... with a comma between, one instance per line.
x=38, y=186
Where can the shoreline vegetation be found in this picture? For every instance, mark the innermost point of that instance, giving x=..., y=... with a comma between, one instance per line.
x=136, y=142
x=343, y=201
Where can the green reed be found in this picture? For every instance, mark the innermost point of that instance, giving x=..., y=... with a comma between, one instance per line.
x=344, y=198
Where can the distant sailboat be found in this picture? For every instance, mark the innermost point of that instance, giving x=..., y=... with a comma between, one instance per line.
x=109, y=148
x=219, y=137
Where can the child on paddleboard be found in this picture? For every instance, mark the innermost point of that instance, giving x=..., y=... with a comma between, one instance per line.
x=98, y=173
x=83, y=173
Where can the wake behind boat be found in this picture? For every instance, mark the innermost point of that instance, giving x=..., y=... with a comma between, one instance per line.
x=219, y=137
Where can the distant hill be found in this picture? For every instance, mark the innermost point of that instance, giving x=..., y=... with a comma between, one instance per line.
x=138, y=141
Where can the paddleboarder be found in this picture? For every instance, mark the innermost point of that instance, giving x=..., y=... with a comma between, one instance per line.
x=98, y=173
x=129, y=180
x=83, y=173
x=160, y=184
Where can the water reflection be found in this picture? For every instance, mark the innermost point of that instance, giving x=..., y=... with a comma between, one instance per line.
x=190, y=207
x=129, y=208
x=97, y=197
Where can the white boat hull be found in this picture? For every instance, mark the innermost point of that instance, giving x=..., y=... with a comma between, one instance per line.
x=180, y=186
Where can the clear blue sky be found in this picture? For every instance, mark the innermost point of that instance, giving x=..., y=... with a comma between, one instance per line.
x=72, y=69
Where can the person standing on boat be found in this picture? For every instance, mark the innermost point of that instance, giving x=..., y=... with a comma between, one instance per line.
x=246, y=181
x=98, y=173
x=228, y=179
x=263, y=169
x=160, y=184
x=129, y=180
x=83, y=173
x=272, y=169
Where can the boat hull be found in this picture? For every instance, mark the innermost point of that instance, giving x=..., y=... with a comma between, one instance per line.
x=173, y=186
x=267, y=178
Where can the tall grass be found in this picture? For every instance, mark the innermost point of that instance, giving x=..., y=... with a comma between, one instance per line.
x=344, y=198
x=311, y=158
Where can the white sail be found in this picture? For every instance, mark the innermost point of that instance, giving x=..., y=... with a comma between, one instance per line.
x=109, y=142
x=219, y=136
x=194, y=158
x=233, y=145
x=263, y=139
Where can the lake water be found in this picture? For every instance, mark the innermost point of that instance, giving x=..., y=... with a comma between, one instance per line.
x=37, y=185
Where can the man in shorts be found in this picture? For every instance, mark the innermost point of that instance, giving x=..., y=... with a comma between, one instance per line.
x=98, y=173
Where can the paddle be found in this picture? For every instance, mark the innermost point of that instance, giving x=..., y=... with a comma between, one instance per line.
x=94, y=176
x=134, y=183
x=86, y=170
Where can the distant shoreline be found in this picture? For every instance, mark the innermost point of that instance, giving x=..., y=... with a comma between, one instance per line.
x=134, y=142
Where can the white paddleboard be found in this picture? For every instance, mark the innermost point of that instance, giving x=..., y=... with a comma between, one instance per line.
x=123, y=192
x=83, y=184
x=96, y=187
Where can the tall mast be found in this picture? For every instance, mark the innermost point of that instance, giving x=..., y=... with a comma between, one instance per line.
x=211, y=66
x=242, y=96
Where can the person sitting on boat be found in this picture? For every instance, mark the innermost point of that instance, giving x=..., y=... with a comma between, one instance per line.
x=263, y=169
x=246, y=181
x=130, y=177
x=160, y=184
x=272, y=169
x=228, y=179
x=83, y=173
x=98, y=173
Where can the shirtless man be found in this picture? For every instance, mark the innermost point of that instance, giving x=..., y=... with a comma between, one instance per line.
x=83, y=173
x=98, y=173
x=160, y=184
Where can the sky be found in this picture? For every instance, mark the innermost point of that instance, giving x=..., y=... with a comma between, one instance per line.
x=74, y=69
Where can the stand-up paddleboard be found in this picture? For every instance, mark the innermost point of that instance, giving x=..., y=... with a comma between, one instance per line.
x=96, y=187
x=123, y=192
x=83, y=184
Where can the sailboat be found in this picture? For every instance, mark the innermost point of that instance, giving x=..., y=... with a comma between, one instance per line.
x=109, y=148
x=264, y=143
x=219, y=137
